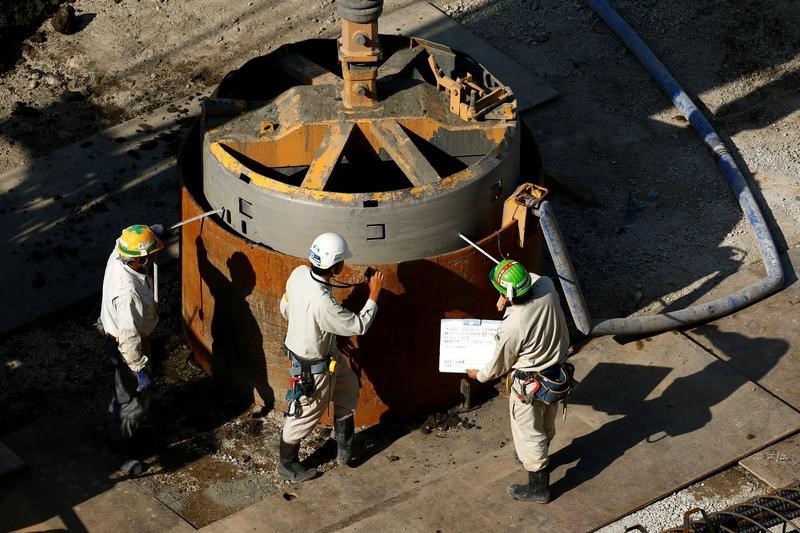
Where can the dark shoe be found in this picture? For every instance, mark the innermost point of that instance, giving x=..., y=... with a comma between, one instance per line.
x=534, y=491
x=133, y=467
x=123, y=452
x=345, y=429
x=289, y=466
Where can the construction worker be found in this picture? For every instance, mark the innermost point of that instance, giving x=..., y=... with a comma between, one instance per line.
x=319, y=373
x=129, y=315
x=532, y=342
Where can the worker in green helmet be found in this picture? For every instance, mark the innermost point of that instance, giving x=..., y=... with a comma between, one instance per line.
x=532, y=343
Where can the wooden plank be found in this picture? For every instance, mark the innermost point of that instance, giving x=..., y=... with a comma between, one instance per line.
x=304, y=70
x=646, y=419
x=761, y=341
x=327, y=156
x=778, y=465
x=402, y=150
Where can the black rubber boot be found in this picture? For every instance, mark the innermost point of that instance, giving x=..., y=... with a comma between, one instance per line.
x=289, y=466
x=129, y=465
x=132, y=467
x=535, y=490
x=345, y=428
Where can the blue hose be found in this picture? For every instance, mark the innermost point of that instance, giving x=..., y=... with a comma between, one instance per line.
x=563, y=265
x=691, y=315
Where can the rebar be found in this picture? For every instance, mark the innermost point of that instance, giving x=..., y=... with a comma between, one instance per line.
x=755, y=515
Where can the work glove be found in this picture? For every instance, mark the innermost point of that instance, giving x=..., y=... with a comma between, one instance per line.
x=161, y=232
x=144, y=380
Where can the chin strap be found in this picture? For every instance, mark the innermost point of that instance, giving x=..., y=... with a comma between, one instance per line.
x=338, y=285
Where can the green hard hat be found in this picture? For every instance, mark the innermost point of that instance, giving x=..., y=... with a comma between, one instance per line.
x=510, y=278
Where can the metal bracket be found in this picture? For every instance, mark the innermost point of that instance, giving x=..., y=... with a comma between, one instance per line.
x=470, y=101
x=527, y=196
x=530, y=195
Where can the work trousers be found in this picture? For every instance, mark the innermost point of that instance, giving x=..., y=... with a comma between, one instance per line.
x=128, y=408
x=532, y=427
x=341, y=388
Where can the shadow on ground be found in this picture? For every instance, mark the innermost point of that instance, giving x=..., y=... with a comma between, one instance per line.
x=685, y=405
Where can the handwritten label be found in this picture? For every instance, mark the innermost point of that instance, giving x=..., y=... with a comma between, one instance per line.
x=466, y=343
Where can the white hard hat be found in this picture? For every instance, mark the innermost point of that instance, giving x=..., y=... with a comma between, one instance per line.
x=327, y=250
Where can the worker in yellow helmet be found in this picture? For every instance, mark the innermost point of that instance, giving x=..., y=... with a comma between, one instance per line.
x=129, y=314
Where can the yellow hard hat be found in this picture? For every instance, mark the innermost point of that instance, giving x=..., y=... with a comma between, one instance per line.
x=137, y=241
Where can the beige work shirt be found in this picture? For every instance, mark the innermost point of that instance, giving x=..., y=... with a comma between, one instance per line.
x=315, y=318
x=532, y=336
x=128, y=310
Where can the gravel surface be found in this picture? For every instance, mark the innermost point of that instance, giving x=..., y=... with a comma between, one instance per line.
x=731, y=487
x=662, y=230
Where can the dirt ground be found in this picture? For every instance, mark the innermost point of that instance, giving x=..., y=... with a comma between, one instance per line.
x=213, y=455
x=654, y=226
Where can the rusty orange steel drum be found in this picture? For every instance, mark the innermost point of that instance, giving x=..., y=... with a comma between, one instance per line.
x=231, y=293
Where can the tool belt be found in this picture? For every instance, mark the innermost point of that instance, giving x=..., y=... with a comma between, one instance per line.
x=549, y=386
x=301, y=378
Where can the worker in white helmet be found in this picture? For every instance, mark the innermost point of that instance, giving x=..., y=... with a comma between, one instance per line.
x=319, y=374
x=128, y=315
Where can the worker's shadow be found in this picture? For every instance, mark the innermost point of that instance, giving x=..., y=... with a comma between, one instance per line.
x=407, y=325
x=685, y=406
x=191, y=409
x=237, y=352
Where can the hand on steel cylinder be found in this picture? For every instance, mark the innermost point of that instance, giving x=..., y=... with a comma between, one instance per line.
x=472, y=373
x=144, y=380
x=163, y=232
x=375, y=285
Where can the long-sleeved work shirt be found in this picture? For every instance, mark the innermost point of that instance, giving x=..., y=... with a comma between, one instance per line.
x=315, y=317
x=533, y=335
x=128, y=310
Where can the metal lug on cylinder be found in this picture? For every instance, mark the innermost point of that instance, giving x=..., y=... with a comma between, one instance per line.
x=515, y=208
x=466, y=392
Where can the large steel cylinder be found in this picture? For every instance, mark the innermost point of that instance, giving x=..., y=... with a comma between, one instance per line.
x=437, y=154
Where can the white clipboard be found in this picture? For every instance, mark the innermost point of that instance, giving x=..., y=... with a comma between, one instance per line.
x=466, y=343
